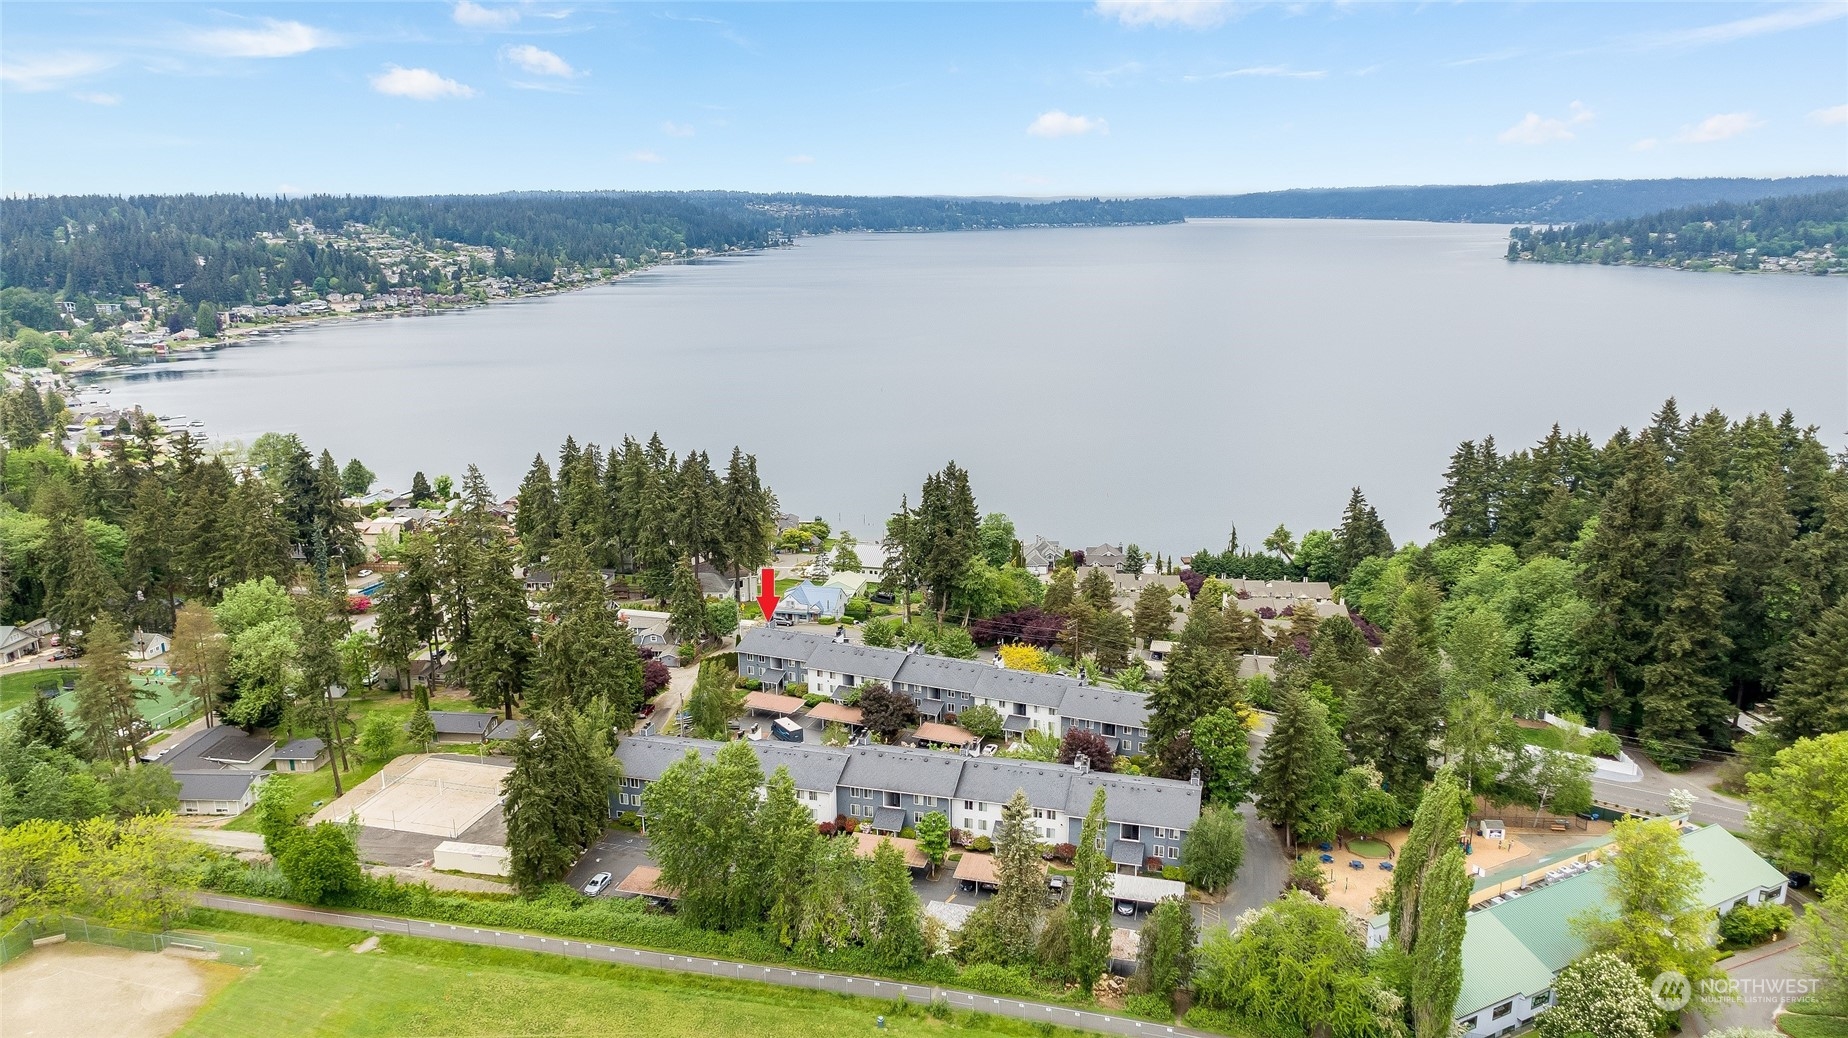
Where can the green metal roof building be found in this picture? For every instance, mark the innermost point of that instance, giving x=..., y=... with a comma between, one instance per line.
x=1515, y=945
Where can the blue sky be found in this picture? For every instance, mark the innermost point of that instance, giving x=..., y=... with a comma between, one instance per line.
x=1113, y=97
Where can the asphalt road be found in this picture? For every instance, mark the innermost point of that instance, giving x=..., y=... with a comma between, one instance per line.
x=842, y=984
x=1764, y=979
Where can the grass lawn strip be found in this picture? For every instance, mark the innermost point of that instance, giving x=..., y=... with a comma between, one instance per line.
x=1370, y=848
x=310, y=983
x=17, y=689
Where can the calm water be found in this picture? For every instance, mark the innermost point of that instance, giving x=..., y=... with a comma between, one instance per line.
x=1150, y=384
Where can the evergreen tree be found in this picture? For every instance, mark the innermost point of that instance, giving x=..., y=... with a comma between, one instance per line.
x=499, y=650
x=746, y=519
x=113, y=728
x=585, y=653
x=1362, y=535
x=78, y=590
x=536, y=519
x=1299, y=769
x=947, y=535
x=1683, y=691
x=1812, y=696
x=1090, y=904
x=903, y=572
x=1618, y=567
x=152, y=559
x=421, y=493
x=356, y=479
x=1061, y=592
x=1394, y=725
x=555, y=801
x=1154, y=616
x=686, y=605
x=1010, y=918
x=41, y=723
x=697, y=517
x=897, y=937
x=1098, y=590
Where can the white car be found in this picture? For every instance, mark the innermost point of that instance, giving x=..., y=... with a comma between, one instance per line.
x=365, y=573
x=597, y=884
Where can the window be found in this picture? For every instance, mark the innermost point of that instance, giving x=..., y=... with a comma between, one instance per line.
x=1470, y=1024
x=893, y=799
x=968, y=805
x=1544, y=998
x=1110, y=729
x=1173, y=852
x=982, y=825
x=1020, y=709
x=1502, y=1010
x=936, y=694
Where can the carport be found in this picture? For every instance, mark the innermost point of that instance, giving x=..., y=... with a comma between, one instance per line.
x=645, y=881
x=943, y=734
x=1145, y=891
x=771, y=703
x=851, y=716
x=867, y=843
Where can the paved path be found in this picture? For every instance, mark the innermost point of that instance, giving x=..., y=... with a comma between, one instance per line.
x=1063, y=1016
x=228, y=839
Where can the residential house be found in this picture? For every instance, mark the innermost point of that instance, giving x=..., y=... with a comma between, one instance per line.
x=1109, y=556
x=1041, y=555
x=217, y=792
x=942, y=687
x=17, y=643
x=647, y=629
x=145, y=645
x=538, y=581
x=462, y=725
x=888, y=788
x=806, y=603
x=301, y=755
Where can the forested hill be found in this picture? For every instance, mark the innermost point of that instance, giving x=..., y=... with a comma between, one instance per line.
x=234, y=248
x=1800, y=234
x=1539, y=201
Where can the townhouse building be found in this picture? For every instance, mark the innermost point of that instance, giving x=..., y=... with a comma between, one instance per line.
x=889, y=788
x=940, y=686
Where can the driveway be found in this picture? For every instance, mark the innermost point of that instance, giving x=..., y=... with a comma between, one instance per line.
x=618, y=851
x=1765, y=978
x=1260, y=878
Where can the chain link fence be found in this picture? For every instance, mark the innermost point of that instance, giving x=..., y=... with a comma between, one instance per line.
x=20, y=939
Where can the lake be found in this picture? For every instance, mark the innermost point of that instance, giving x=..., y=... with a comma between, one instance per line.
x=1146, y=384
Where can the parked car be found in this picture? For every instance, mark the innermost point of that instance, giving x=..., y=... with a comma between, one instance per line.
x=597, y=883
x=364, y=573
x=1127, y=908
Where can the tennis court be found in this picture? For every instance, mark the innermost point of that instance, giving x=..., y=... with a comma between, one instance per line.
x=438, y=797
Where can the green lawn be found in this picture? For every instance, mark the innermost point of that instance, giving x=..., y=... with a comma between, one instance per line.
x=1547, y=738
x=309, y=983
x=1370, y=848
x=18, y=689
x=1800, y=1025
x=319, y=785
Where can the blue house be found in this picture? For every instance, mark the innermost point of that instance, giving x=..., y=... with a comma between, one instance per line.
x=806, y=603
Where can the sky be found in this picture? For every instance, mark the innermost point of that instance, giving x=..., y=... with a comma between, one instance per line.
x=1115, y=97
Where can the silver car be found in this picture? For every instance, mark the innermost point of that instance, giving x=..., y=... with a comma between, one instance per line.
x=597, y=884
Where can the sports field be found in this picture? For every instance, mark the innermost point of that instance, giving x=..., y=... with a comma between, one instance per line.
x=310, y=982
x=83, y=990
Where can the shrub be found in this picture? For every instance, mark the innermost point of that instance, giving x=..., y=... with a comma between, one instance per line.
x=960, y=837
x=981, y=845
x=1001, y=980
x=859, y=609
x=814, y=699
x=1153, y=864
x=907, y=833
x=1603, y=744
x=797, y=688
x=1064, y=852
x=753, y=685
x=824, y=619
x=825, y=828
x=1174, y=872
x=1149, y=1007
x=655, y=677
x=1754, y=924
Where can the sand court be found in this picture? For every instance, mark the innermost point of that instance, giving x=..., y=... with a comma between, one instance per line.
x=439, y=796
x=75, y=990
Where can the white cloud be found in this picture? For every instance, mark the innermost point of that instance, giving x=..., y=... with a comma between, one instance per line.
x=97, y=98
x=1188, y=14
x=674, y=129
x=1646, y=144
x=475, y=16
x=801, y=160
x=50, y=71
x=1830, y=116
x=1719, y=127
x=644, y=156
x=537, y=61
x=276, y=39
x=1483, y=59
x=419, y=84
x=1058, y=124
x=1106, y=77
x=1800, y=17
x=1533, y=129
x=1278, y=71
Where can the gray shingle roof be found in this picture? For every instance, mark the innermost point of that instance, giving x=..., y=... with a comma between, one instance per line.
x=857, y=659
x=942, y=672
x=1107, y=705
x=811, y=767
x=924, y=772
x=301, y=749
x=1022, y=686
x=215, y=785
x=1137, y=799
x=234, y=746
x=888, y=819
x=461, y=722
x=647, y=756
x=993, y=780
x=779, y=643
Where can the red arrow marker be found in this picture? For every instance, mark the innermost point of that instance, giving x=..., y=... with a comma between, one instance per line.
x=767, y=599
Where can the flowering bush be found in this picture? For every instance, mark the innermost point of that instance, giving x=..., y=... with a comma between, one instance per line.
x=1599, y=995
x=356, y=604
